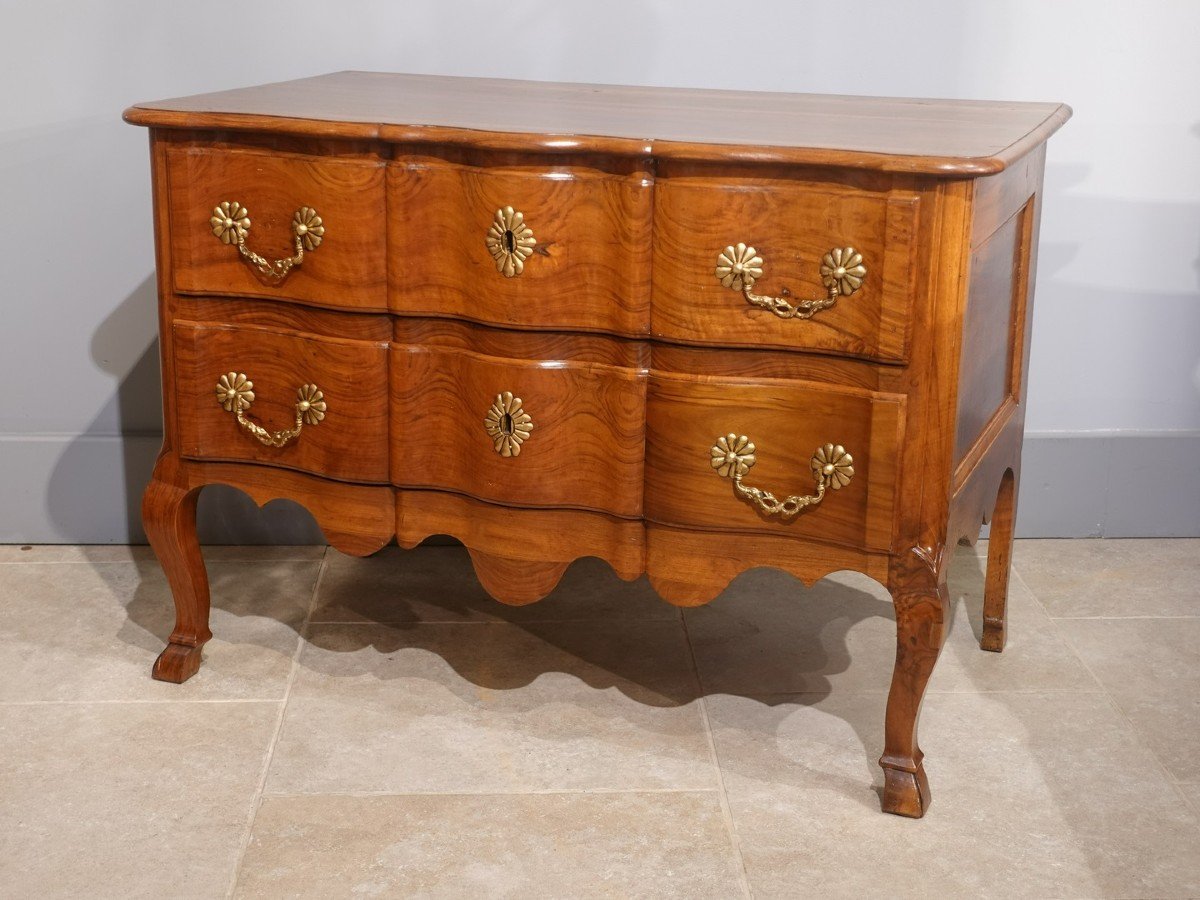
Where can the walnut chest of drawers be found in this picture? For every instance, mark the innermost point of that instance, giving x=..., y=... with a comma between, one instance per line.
x=688, y=332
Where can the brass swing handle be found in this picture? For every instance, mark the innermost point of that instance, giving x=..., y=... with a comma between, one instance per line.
x=733, y=456
x=230, y=224
x=842, y=273
x=235, y=392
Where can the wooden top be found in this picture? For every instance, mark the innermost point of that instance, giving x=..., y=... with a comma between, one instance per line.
x=961, y=138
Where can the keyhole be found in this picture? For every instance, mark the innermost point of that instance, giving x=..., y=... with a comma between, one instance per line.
x=510, y=241
x=506, y=422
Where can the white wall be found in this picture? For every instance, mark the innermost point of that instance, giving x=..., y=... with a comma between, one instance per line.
x=1117, y=326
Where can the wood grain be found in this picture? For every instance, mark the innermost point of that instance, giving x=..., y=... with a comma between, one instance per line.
x=289, y=317
x=999, y=564
x=529, y=345
x=590, y=269
x=588, y=429
x=356, y=519
x=986, y=480
x=787, y=421
x=993, y=327
x=532, y=535
x=769, y=364
x=690, y=568
x=169, y=517
x=348, y=269
x=349, y=444
x=953, y=138
x=997, y=198
x=792, y=223
x=917, y=583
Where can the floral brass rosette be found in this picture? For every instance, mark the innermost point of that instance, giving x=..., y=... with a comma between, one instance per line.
x=834, y=465
x=310, y=403
x=739, y=266
x=230, y=222
x=732, y=455
x=510, y=241
x=507, y=424
x=235, y=391
x=842, y=270
x=308, y=227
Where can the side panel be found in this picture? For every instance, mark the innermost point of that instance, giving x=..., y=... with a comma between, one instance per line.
x=994, y=329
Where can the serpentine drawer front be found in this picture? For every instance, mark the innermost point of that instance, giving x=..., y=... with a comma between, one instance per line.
x=529, y=432
x=687, y=332
x=320, y=220
x=780, y=433
x=286, y=399
x=530, y=241
x=743, y=259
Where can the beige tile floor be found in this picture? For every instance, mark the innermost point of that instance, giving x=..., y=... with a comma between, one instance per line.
x=379, y=727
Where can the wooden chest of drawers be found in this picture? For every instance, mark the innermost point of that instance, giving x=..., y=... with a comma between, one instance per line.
x=688, y=332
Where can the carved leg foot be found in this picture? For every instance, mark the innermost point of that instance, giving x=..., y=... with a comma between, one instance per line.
x=177, y=663
x=906, y=793
x=1000, y=542
x=922, y=604
x=169, y=517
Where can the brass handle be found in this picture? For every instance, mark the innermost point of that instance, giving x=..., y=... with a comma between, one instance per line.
x=842, y=273
x=733, y=457
x=510, y=241
x=231, y=224
x=235, y=392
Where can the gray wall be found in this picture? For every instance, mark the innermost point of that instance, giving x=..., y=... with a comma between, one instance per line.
x=1114, y=415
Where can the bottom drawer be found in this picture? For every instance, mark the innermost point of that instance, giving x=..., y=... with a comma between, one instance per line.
x=691, y=463
x=550, y=432
x=346, y=439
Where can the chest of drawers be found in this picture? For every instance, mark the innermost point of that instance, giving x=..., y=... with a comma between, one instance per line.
x=688, y=332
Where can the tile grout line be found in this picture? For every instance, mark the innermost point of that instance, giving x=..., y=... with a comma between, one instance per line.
x=139, y=701
x=406, y=623
x=133, y=560
x=515, y=792
x=1117, y=618
x=269, y=755
x=726, y=810
x=1134, y=732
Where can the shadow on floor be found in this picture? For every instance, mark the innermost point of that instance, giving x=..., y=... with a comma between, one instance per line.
x=608, y=633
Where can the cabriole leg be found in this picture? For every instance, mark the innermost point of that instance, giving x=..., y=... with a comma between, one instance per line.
x=922, y=615
x=169, y=517
x=1000, y=543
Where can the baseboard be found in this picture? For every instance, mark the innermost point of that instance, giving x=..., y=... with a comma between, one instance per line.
x=87, y=490
x=1110, y=484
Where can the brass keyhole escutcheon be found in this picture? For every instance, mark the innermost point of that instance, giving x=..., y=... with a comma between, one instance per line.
x=507, y=424
x=510, y=241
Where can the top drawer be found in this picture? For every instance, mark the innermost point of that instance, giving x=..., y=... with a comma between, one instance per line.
x=788, y=238
x=522, y=241
x=344, y=262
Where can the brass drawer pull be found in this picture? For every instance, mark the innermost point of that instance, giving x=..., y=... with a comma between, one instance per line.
x=733, y=457
x=507, y=424
x=510, y=241
x=842, y=273
x=231, y=223
x=235, y=392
